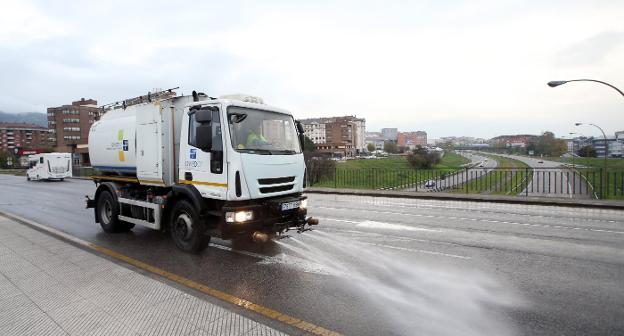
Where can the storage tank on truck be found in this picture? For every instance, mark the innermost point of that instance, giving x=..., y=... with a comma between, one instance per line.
x=198, y=167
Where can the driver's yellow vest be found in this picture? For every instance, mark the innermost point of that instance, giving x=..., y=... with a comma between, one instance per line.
x=254, y=137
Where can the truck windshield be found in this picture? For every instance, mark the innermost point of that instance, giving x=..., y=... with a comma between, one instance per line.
x=262, y=132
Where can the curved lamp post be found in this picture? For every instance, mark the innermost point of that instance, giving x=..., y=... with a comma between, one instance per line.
x=557, y=83
x=573, y=153
x=606, y=154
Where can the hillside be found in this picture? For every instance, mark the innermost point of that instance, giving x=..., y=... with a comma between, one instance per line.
x=28, y=118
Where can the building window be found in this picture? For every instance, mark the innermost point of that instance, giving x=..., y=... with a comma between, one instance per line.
x=71, y=137
x=71, y=129
x=71, y=120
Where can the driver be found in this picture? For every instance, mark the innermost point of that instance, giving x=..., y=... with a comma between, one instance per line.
x=254, y=136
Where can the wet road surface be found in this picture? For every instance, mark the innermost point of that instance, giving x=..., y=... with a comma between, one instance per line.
x=402, y=267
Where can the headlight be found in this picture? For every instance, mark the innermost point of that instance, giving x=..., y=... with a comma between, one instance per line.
x=303, y=204
x=238, y=216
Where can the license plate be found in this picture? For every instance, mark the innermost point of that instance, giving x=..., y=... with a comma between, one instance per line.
x=290, y=205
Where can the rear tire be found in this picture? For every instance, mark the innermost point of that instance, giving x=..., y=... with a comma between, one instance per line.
x=187, y=231
x=108, y=211
x=27, y=178
x=62, y=179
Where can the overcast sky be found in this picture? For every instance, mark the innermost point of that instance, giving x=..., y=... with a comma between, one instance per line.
x=476, y=68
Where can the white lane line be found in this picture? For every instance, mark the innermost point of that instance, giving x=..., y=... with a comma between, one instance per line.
x=420, y=251
x=390, y=226
x=476, y=220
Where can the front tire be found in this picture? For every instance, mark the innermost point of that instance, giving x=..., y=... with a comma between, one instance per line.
x=27, y=177
x=187, y=231
x=108, y=211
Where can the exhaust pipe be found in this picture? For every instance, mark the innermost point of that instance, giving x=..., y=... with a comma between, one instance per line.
x=260, y=237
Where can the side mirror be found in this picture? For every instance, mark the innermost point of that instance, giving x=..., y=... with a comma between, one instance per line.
x=203, y=136
x=203, y=116
x=301, y=134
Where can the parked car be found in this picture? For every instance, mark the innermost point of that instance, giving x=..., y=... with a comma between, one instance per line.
x=430, y=184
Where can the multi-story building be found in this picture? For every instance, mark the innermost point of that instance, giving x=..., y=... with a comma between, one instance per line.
x=412, y=139
x=69, y=128
x=15, y=137
x=376, y=139
x=389, y=133
x=520, y=140
x=338, y=136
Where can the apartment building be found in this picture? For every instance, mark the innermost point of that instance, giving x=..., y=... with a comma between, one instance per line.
x=15, y=137
x=337, y=136
x=69, y=128
x=412, y=140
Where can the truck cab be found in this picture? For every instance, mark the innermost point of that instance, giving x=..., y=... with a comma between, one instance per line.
x=200, y=167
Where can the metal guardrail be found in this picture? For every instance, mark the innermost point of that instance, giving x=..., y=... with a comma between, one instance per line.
x=546, y=182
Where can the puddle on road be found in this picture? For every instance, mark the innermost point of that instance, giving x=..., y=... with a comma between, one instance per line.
x=414, y=296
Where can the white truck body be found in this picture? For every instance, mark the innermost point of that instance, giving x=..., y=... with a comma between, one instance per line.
x=152, y=151
x=49, y=166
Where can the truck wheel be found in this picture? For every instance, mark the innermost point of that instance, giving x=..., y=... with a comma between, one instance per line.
x=27, y=178
x=108, y=210
x=187, y=231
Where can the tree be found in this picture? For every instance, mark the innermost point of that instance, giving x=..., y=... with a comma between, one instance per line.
x=391, y=147
x=420, y=158
x=371, y=147
x=547, y=144
x=308, y=144
x=6, y=157
x=587, y=151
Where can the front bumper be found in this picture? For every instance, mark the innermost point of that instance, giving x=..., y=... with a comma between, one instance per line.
x=267, y=216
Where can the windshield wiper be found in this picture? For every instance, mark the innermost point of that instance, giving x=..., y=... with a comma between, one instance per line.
x=285, y=151
x=256, y=151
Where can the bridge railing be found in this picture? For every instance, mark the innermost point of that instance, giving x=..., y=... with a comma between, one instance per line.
x=537, y=182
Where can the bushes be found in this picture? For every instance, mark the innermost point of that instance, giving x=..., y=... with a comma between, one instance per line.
x=420, y=158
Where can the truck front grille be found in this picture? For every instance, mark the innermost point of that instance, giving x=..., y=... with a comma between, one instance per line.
x=268, y=190
x=276, y=180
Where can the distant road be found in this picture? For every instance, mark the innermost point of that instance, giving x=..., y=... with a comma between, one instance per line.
x=484, y=164
x=552, y=179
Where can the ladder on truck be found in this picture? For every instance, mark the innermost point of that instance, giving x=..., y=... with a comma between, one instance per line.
x=149, y=97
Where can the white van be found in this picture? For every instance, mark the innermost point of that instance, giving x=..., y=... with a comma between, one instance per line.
x=49, y=166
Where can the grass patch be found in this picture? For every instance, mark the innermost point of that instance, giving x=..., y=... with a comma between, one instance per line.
x=386, y=173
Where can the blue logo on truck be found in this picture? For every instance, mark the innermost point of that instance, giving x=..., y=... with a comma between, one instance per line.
x=193, y=154
x=125, y=145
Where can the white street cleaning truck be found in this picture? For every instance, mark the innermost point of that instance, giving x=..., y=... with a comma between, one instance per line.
x=197, y=167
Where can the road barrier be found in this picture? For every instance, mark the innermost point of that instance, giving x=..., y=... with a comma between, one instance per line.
x=547, y=182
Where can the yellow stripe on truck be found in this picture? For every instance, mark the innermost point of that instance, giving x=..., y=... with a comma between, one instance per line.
x=212, y=184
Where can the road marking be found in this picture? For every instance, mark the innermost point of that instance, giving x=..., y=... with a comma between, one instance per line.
x=477, y=220
x=264, y=311
x=419, y=251
x=390, y=226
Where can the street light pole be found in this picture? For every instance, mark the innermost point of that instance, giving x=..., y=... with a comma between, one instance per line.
x=573, y=152
x=557, y=83
x=606, y=154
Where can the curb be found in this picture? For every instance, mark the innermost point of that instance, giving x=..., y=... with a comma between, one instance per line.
x=564, y=202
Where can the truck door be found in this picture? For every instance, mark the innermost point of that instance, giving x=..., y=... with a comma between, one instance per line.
x=203, y=167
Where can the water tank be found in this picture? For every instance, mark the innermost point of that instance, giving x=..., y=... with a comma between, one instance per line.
x=112, y=142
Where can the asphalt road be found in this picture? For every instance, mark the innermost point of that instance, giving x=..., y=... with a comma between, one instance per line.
x=483, y=166
x=380, y=266
x=552, y=179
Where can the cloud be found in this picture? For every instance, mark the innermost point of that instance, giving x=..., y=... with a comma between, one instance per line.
x=426, y=65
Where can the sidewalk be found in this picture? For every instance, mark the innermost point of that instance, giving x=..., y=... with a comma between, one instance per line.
x=50, y=287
